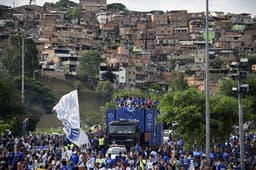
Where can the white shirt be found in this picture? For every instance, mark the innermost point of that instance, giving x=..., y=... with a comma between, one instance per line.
x=91, y=162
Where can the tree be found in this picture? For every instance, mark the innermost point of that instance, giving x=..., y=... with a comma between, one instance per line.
x=249, y=109
x=225, y=87
x=65, y=4
x=116, y=7
x=154, y=87
x=12, y=56
x=224, y=114
x=104, y=90
x=188, y=109
x=178, y=82
x=88, y=65
x=37, y=95
x=74, y=13
x=11, y=109
x=251, y=96
x=109, y=75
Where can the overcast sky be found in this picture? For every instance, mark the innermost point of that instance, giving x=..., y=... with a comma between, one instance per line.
x=233, y=6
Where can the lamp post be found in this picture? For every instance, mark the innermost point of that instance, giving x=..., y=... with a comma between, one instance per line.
x=207, y=101
x=22, y=70
x=241, y=73
x=22, y=67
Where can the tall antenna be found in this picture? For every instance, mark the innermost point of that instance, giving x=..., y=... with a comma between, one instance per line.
x=13, y=3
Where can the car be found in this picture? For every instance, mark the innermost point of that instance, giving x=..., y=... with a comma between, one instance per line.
x=115, y=150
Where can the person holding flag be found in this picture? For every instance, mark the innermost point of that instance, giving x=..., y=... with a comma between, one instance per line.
x=67, y=110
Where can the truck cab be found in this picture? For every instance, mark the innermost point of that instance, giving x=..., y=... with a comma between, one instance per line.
x=123, y=132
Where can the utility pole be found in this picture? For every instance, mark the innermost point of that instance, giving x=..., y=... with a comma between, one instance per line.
x=241, y=121
x=22, y=70
x=241, y=73
x=207, y=102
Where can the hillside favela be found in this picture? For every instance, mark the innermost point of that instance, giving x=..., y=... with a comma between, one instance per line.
x=93, y=85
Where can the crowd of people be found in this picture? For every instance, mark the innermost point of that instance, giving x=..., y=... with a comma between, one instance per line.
x=136, y=102
x=53, y=151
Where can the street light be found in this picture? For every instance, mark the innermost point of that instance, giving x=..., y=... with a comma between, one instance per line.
x=22, y=67
x=207, y=100
x=241, y=73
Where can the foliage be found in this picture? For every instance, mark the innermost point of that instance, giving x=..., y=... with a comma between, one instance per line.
x=178, y=82
x=155, y=87
x=127, y=92
x=104, y=90
x=9, y=99
x=251, y=80
x=109, y=75
x=109, y=105
x=78, y=85
x=225, y=87
x=36, y=94
x=216, y=63
x=8, y=124
x=9, y=24
x=74, y=12
x=251, y=61
x=11, y=108
x=12, y=56
x=65, y=4
x=223, y=115
x=116, y=7
x=89, y=63
x=188, y=109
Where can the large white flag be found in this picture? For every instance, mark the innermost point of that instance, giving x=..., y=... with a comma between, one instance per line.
x=67, y=110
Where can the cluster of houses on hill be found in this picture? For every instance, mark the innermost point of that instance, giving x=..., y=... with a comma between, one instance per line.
x=143, y=47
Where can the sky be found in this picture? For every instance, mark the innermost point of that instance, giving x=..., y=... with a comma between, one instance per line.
x=232, y=6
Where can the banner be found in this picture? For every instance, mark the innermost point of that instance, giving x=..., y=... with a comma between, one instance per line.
x=67, y=110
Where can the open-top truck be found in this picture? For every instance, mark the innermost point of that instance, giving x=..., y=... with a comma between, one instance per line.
x=128, y=126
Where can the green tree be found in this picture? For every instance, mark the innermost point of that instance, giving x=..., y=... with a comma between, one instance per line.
x=249, y=109
x=65, y=4
x=109, y=75
x=224, y=114
x=74, y=13
x=104, y=90
x=225, y=87
x=88, y=65
x=251, y=96
x=188, y=109
x=37, y=96
x=178, y=82
x=154, y=87
x=115, y=7
x=11, y=108
x=12, y=56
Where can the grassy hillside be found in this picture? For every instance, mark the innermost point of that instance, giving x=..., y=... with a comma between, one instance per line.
x=89, y=104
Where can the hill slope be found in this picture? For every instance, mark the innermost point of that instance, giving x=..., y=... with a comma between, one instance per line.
x=89, y=104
